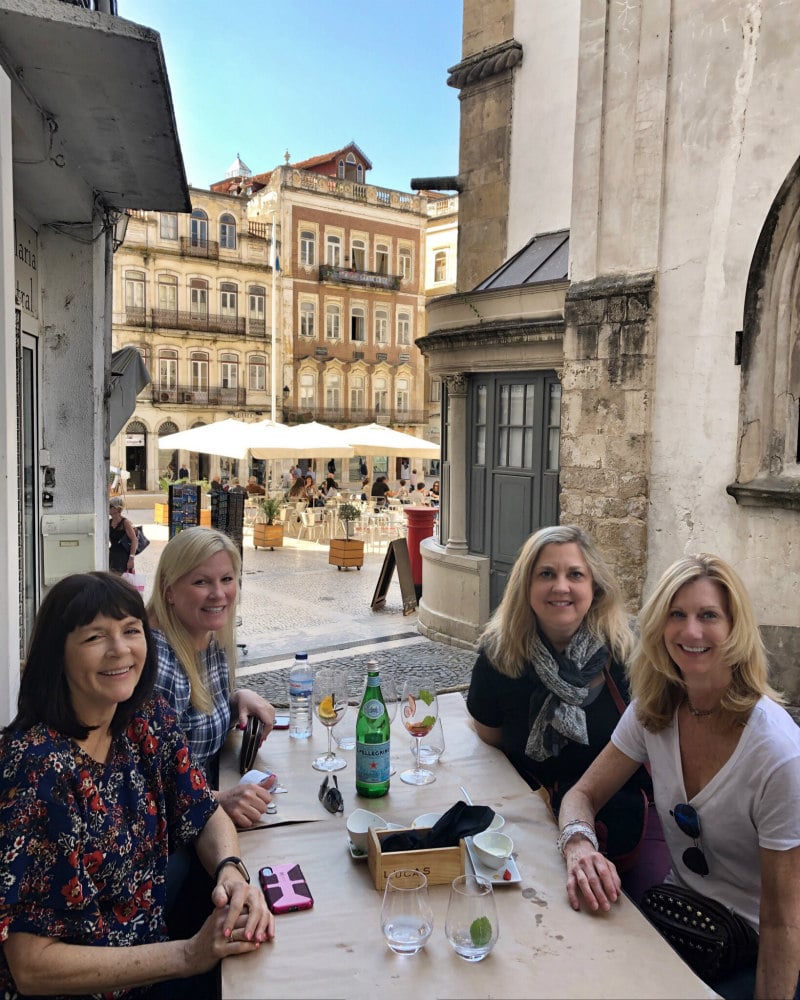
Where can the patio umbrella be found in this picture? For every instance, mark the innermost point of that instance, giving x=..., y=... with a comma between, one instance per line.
x=270, y=440
x=375, y=439
x=225, y=437
x=314, y=440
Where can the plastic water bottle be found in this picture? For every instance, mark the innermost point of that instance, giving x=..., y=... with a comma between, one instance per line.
x=300, y=686
x=372, y=739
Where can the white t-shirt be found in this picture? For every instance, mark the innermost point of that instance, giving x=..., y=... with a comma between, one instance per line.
x=752, y=802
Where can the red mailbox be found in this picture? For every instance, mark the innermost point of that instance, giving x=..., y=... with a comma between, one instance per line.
x=420, y=525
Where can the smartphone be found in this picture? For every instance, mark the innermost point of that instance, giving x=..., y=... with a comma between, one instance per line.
x=285, y=888
x=281, y=722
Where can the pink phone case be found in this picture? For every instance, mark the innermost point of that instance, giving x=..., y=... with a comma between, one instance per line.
x=285, y=888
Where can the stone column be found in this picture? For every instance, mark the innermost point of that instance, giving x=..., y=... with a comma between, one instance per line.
x=457, y=452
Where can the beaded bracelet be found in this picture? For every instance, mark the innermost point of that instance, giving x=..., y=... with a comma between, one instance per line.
x=571, y=829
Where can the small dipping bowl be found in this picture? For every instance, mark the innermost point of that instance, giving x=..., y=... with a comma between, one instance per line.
x=358, y=823
x=497, y=823
x=493, y=848
x=426, y=820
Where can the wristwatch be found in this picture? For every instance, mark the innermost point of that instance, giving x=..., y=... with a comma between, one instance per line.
x=237, y=863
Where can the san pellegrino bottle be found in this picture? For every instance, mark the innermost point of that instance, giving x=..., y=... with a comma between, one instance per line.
x=372, y=739
x=300, y=688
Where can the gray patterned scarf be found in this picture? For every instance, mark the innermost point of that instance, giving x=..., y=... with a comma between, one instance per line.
x=566, y=676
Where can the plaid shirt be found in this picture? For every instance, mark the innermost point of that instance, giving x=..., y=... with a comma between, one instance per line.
x=205, y=734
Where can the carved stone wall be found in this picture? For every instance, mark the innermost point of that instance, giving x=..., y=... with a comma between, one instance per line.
x=607, y=386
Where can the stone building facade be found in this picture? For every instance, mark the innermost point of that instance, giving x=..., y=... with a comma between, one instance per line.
x=662, y=137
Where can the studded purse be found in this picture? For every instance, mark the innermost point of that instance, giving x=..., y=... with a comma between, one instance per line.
x=713, y=940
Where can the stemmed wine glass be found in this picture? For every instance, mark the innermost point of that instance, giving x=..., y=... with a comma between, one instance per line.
x=330, y=704
x=420, y=708
x=390, y=699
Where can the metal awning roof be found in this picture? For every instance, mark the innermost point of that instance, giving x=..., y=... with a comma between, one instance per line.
x=544, y=259
x=92, y=103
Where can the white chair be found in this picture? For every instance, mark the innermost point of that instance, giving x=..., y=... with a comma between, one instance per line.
x=310, y=527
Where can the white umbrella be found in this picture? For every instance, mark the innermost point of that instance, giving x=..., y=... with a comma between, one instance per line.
x=270, y=440
x=225, y=437
x=315, y=440
x=375, y=439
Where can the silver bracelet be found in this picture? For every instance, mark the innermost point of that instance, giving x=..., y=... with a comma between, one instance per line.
x=577, y=826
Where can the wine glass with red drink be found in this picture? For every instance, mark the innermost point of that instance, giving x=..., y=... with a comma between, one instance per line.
x=419, y=709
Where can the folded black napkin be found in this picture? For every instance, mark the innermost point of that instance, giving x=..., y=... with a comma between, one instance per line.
x=459, y=821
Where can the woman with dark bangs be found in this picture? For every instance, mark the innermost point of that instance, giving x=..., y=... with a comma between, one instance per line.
x=96, y=780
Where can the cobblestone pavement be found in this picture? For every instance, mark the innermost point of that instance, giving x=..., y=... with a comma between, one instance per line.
x=292, y=600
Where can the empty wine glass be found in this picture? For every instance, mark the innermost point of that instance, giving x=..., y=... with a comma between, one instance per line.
x=419, y=712
x=390, y=696
x=330, y=704
x=406, y=915
x=471, y=924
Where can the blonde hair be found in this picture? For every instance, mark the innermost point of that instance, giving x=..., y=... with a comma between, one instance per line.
x=656, y=681
x=181, y=555
x=511, y=632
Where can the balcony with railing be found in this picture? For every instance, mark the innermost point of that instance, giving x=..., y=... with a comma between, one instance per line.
x=197, y=322
x=213, y=395
x=192, y=247
x=349, y=276
x=352, y=415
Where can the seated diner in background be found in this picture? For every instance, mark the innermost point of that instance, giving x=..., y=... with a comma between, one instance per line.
x=725, y=758
x=254, y=487
x=381, y=490
x=98, y=775
x=549, y=683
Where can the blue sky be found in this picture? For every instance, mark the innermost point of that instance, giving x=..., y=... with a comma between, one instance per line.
x=310, y=76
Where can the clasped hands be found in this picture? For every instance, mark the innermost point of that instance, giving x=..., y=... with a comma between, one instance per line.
x=591, y=877
x=240, y=923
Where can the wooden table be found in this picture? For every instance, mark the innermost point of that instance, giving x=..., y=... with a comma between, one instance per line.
x=336, y=949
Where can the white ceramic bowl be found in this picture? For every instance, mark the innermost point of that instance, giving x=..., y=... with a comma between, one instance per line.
x=493, y=848
x=497, y=823
x=358, y=823
x=427, y=820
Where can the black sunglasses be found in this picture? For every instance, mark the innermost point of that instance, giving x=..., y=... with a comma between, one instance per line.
x=331, y=798
x=689, y=823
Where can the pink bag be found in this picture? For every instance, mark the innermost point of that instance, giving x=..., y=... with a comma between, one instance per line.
x=136, y=580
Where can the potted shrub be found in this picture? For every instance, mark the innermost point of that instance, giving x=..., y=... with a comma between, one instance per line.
x=268, y=529
x=347, y=551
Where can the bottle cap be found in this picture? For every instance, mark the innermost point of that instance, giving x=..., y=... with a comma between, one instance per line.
x=301, y=656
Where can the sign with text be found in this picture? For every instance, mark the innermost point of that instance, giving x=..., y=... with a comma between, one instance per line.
x=26, y=268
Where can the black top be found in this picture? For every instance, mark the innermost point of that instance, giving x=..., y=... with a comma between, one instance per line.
x=380, y=489
x=512, y=704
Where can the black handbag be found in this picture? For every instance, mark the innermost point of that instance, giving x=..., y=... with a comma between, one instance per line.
x=142, y=541
x=713, y=940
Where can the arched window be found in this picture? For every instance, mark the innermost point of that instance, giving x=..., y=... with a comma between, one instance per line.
x=308, y=316
x=358, y=324
x=381, y=394
x=256, y=310
x=167, y=289
x=403, y=328
x=198, y=370
x=402, y=394
x=228, y=371
x=381, y=326
x=308, y=391
x=257, y=373
x=404, y=263
x=167, y=372
x=333, y=322
x=333, y=251
x=199, y=235
x=228, y=303
x=340, y=170
x=198, y=299
x=134, y=297
x=333, y=391
x=227, y=232
x=440, y=266
x=358, y=255
x=381, y=258
x=308, y=254
x=357, y=392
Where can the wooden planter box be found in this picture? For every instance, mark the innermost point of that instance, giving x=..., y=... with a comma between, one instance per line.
x=439, y=865
x=346, y=552
x=205, y=517
x=267, y=536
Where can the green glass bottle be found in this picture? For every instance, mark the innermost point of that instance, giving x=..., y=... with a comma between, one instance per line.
x=372, y=739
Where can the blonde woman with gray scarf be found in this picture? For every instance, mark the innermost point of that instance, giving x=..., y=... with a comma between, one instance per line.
x=549, y=684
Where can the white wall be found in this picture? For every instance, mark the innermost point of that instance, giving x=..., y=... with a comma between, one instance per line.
x=544, y=106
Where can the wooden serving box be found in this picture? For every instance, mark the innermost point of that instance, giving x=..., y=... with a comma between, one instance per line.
x=440, y=864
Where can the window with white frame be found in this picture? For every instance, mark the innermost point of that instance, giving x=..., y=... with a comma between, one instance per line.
x=380, y=394
x=308, y=253
x=358, y=255
x=436, y=390
x=134, y=292
x=358, y=324
x=381, y=326
x=199, y=228
x=257, y=373
x=381, y=258
x=227, y=232
x=357, y=392
x=333, y=251
x=167, y=291
x=257, y=309
x=168, y=226
x=402, y=394
x=308, y=391
x=228, y=371
x=333, y=391
x=404, y=328
x=440, y=266
x=333, y=322
x=198, y=370
x=228, y=300
x=308, y=319
x=167, y=370
x=198, y=298
x=404, y=263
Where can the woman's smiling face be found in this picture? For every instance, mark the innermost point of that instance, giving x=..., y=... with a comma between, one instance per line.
x=697, y=626
x=561, y=591
x=204, y=599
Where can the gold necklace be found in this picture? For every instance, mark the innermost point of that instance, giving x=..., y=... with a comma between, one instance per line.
x=699, y=713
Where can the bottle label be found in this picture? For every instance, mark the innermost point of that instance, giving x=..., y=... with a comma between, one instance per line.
x=300, y=688
x=373, y=763
x=373, y=709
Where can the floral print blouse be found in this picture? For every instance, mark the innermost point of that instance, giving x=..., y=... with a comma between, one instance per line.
x=84, y=845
